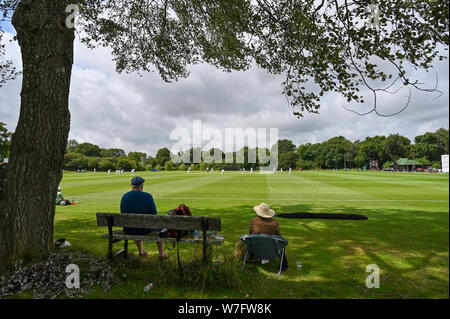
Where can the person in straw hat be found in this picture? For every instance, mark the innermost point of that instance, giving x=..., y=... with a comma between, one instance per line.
x=263, y=224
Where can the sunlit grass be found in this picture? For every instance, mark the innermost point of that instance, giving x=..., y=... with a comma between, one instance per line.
x=406, y=234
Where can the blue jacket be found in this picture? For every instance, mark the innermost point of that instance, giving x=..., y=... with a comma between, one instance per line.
x=137, y=202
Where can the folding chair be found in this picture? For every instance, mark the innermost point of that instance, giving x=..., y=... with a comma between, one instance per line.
x=265, y=247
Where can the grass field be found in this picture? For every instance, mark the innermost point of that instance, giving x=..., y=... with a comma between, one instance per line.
x=406, y=235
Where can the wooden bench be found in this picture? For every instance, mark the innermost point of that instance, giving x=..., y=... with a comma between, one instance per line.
x=204, y=224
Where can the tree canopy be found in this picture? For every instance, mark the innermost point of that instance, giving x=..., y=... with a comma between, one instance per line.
x=319, y=46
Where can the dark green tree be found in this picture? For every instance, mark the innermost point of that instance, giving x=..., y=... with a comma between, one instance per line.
x=88, y=149
x=105, y=164
x=335, y=152
x=126, y=163
x=431, y=145
x=285, y=146
x=72, y=146
x=137, y=156
x=112, y=152
x=162, y=156
x=288, y=159
x=5, y=140
x=372, y=148
x=396, y=146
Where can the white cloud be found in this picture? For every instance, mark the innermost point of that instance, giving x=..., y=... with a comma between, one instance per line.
x=138, y=113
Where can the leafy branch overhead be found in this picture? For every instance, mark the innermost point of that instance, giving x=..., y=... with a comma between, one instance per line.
x=7, y=69
x=318, y=46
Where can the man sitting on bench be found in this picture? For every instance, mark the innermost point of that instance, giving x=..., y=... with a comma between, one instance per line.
x=138, y=202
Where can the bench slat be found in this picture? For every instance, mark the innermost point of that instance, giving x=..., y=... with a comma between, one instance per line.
x=159, y=221
x=153, y=237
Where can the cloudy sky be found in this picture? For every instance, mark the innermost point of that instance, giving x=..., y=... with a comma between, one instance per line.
x=138, y=113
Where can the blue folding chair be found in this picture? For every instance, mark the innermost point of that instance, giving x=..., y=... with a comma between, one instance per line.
x=265, y=247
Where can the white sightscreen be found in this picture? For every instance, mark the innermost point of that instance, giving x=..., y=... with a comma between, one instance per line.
x=444, y=163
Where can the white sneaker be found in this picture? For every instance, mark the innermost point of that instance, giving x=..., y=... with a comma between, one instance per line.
x=264, y=261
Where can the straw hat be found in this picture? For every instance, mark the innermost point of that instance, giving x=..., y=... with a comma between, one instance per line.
x=263, y=210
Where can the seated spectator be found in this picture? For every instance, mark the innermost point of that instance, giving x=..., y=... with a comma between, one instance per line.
x=60, y=198
x=138, y=202
x=263, y=224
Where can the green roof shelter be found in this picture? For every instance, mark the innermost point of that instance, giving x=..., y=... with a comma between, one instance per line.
x=406, y=164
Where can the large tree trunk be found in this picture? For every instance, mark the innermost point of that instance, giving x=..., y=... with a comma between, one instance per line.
x=38, y=144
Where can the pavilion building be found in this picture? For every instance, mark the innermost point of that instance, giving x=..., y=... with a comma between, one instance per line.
x=406, y=165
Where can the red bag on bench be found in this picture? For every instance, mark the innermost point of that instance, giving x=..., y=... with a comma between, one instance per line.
x=181, y=210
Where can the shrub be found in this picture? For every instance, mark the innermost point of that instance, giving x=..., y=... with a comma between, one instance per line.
x=106, y=164
x=305, y=164
x=126, y=164
x=168, y=166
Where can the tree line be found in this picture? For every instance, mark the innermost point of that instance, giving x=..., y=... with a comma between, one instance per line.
x=337, y=152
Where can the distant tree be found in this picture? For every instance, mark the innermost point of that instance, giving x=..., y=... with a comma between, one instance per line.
x=162, y=156
x=312, y=153
x=431, y=145
x=80, y=162
x=334, y=151
x=304, y=164
x=442, y=140
x=112, y=152
x=72, y=146
x=437, y=165
x=5, y=140
x=69, y=157
x=140, y=166
x=425, y=161
x=151, y=161
x=126, y=164
x=372, y=148
x=137, y=156
x=105, y=164
x=396, y=146
x=284, y=146
x=169, y=166
x=88, y=149
x=148, y=167
x=288, y=159
x=92, y=162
